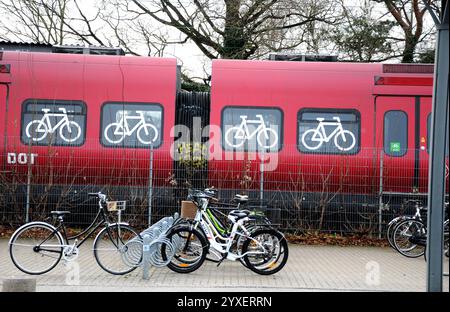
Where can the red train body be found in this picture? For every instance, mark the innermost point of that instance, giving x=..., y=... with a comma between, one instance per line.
x=327, y=117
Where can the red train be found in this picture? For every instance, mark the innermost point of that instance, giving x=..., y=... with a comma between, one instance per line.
x=105, y=112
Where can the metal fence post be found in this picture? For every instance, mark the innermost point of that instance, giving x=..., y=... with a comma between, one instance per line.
x=150, y=186
x=439, y=136
x=146, y=256
x=261, y=180
x=27, y=207
x=380, y=195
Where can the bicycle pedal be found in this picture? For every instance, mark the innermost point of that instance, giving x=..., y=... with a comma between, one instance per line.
x=221, y=260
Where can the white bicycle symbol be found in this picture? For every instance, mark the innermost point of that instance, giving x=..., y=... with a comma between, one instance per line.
x=117, y=131
x=241, y=133
x=344, y=140
x=37, y=130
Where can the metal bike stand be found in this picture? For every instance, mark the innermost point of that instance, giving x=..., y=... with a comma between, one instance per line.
x=152, y=240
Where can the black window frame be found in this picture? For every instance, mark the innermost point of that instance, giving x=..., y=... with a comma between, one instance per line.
x=384, y=132
x=280, y=138
x=331, y=110
x=42, y=101
x=161, y=141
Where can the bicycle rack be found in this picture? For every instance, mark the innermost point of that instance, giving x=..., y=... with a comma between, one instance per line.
x=146, y=251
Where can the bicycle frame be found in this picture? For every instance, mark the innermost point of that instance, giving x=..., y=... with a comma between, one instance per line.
x=46, y=119
x=124, y=121
x=321, y=128
x=244, y=125
x=101, y=219
x=203, y=219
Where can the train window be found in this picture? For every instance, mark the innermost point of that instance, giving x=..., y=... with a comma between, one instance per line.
x=53, y=122
x=395, y=133
x=134, y=125
x=328, y=131
x=252, y=128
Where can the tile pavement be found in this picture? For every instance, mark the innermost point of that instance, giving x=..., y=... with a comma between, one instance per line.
x=309, y=268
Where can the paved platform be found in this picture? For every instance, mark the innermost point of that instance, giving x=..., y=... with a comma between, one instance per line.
x=309, y=268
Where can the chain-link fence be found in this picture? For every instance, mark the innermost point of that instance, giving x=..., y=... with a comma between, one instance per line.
x=356, y=193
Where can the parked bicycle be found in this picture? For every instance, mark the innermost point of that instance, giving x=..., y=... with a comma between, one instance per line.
x=262, y=249
x=419, y=209
x=408, y=234
x=37, y=247
x=69, y=130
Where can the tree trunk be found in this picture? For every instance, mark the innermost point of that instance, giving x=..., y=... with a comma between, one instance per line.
x=409, y=49
x=234, y=38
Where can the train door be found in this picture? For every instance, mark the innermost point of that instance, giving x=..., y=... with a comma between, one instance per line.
x=396, y=121
x=3, y=120
x=425, y=142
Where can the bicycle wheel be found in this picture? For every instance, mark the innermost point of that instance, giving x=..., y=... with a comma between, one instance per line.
x=345, y=140
x=191, y=248
x=235, y=137
x=70, y=132
x=267, y=251
x=390, y=230
x=312, y=139
x=36, y=130
x=267, y=138
x=147, y=134
x=409, y=238
x=111, y=250
x=114, y=133
x=36, y=248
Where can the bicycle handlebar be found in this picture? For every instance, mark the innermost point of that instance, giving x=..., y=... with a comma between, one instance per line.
x=99, y=195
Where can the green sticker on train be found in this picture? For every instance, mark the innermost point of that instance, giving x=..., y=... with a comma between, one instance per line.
x=395, y=147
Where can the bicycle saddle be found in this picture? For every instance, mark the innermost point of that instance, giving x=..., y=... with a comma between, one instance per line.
x=239, y=213
x=241, y=198
x=59, y=213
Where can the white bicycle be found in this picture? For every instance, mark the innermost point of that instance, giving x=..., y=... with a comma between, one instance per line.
x=69, y=130
x=241, y=133
x=117, y=131
x=344, y=140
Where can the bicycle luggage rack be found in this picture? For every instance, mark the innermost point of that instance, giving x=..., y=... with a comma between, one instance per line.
x=146, y=251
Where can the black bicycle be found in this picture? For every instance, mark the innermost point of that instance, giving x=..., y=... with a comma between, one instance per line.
x=37, y=247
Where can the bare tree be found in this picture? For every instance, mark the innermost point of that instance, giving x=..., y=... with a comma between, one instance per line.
x=238, y=28
x=362, y=36
x=410, y=16
x=104, y=23
x=41, y=21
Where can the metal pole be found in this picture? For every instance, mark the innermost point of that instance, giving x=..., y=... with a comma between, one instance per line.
x=380, y=200
x=27, y=207
x=150, y=187
x=436, y=182
x=261, y=180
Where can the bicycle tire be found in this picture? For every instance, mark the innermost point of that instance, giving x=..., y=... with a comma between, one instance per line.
x=117, y=248
x=390, y=230
x=43, y=233
x=31, y=136
x=174, y=237
x=267, y=267
x=405, y=227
